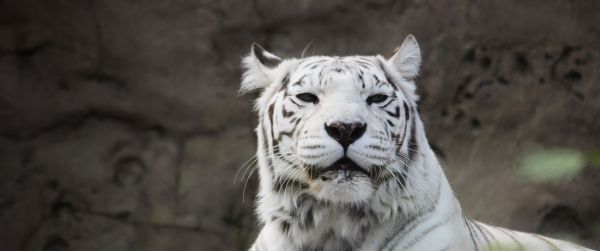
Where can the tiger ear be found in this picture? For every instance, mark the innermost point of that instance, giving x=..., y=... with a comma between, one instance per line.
x=407, y=58
x=257, y=67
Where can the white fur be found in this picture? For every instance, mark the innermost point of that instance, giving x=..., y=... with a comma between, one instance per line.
x=326, y=214
x=256, y=75
x=407, y=58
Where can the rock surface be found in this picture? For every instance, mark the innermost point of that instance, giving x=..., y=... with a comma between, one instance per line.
x=122, y=128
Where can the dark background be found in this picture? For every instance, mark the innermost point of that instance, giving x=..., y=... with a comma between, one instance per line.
x=121, y=127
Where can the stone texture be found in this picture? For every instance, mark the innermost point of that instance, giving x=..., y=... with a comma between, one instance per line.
x=122, y=128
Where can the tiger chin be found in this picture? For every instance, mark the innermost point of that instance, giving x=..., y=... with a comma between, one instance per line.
x=344, y=162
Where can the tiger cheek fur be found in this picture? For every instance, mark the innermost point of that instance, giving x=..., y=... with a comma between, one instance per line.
x=344, y=162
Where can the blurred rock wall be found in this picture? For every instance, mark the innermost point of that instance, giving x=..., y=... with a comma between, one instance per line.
x=122, y=129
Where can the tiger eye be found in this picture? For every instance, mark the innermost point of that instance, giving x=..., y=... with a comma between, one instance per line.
x=308, y=97
x=377, y=98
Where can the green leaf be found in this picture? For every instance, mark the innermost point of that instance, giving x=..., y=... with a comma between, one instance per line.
x=596, y=229
x=552, y=165
x=594, y=158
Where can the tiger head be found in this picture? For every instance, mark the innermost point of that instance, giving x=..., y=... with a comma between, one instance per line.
x=334, y=127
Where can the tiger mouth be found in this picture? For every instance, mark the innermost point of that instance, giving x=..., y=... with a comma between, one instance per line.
x=344, y=166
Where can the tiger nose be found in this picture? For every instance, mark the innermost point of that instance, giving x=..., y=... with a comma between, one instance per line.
x=345, y=133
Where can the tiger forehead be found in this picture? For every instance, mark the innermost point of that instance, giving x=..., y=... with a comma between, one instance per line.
x=338, y=64
x=366, y=71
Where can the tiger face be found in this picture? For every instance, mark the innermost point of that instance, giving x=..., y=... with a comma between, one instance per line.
x=334, y=127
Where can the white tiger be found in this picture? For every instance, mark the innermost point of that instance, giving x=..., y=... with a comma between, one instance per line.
x=344, y=163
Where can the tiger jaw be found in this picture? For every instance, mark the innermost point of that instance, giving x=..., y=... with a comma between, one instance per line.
x=344, y=175
x=343, y=187
x=343, y=181
x=344, y=168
